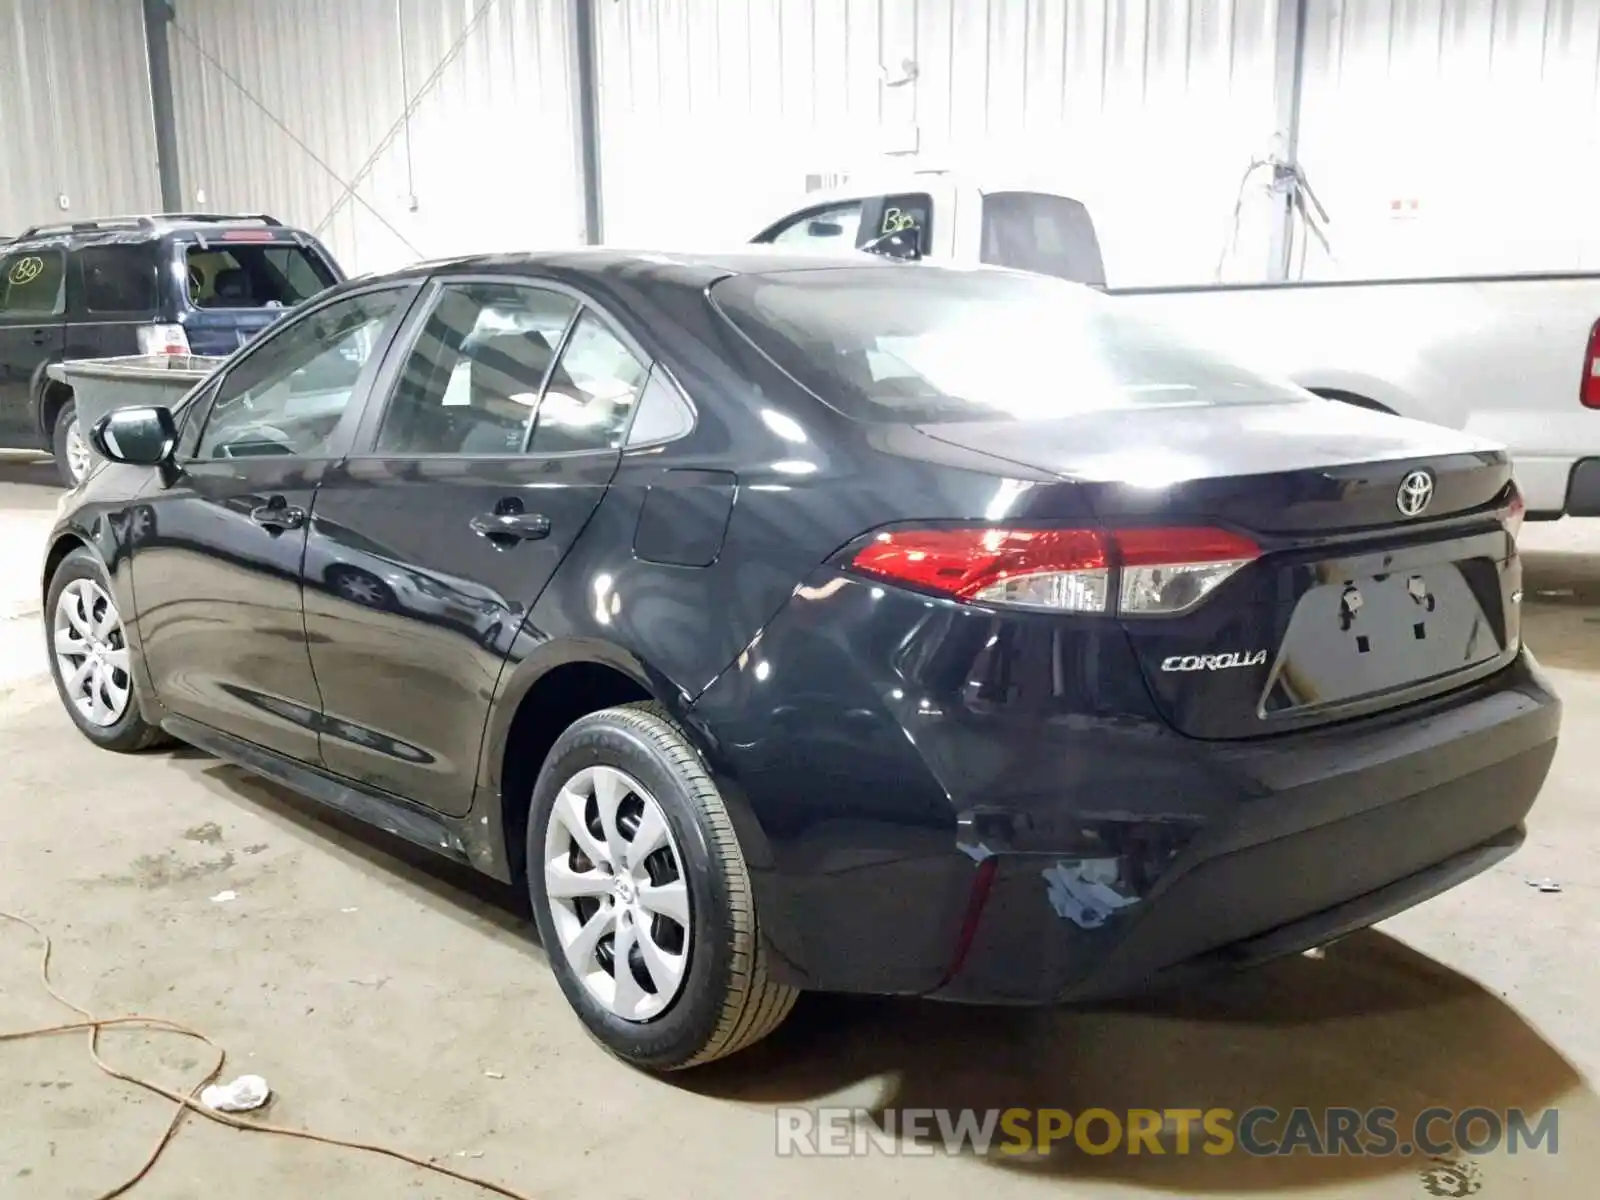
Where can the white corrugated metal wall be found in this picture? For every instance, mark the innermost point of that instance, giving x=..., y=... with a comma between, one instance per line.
x=1452, y=136
x=78, y=138
x=715, y=111
x=299, y=108
x=1443, y=134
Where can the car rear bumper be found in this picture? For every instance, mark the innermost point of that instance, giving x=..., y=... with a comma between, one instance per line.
x=917, y=824
x=1341, y=830
x=1335, y=855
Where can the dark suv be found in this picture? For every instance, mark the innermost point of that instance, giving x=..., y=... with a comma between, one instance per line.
x=180, y=283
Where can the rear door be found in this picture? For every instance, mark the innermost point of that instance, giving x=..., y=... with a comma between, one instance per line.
x=33, y=300
x=219, y=547
x=507, y=405
x=239, y=282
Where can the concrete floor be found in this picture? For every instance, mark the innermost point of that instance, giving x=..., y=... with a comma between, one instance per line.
x=377, y=990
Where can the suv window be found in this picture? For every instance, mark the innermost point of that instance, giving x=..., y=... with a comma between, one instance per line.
x=590, y=396
x=244, y=276
x=834, y=226
x=288, y=395
x=31, y=283
x=118, y=278
x=1035, y=231
x=472, y=380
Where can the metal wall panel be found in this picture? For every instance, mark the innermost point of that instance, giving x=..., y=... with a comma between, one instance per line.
x=298, y=108
x=77, y=136
x=713, y=112
x=1454, y=136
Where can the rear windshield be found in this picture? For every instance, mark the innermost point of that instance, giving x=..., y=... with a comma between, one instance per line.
x=919, y=344
x=1035, y=231
x=267, y=276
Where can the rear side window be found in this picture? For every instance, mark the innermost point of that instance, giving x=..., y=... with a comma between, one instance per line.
x=32, y=283
x=245, y=276
x=472, y=380
x=118, y=279
x=1049, y=235
x=926, y=344
x=590, y=396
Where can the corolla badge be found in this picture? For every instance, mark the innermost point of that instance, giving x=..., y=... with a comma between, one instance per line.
x=1416, y=490
x=1214, y=662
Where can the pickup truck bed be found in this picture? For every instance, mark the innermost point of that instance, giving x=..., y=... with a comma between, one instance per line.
x=1503, y=357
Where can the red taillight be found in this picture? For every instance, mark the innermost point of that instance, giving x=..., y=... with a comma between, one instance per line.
x=163, y=341
x=1516, y=508
x=1158, y=571
x=1589, y=388
x=1038, y=568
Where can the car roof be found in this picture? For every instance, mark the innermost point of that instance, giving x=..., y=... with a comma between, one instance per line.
x=683, y=267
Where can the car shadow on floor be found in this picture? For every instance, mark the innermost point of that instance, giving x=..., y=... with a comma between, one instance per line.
x=18, y=468
x=469, y=896
x=1372, y=1024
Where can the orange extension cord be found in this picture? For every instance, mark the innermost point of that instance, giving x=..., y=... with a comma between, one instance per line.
x=188, y=1102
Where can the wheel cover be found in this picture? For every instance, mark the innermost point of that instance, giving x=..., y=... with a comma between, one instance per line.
x=78, y=461
x=91, y=652
x=619, y=896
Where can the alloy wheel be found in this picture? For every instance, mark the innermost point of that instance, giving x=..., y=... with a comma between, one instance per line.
x=91, y=651
x=618, y=893
x=78, y=458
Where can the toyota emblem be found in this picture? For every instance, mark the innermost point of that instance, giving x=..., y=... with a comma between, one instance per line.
x=1416, y=490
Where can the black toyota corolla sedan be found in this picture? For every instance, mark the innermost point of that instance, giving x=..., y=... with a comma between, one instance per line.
x=800, y=623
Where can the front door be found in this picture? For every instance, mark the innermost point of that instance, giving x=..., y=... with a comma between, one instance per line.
x=430, y=544
x=218, y=546
x=32, y=331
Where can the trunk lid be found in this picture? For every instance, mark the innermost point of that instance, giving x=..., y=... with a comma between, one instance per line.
x=1355, y=605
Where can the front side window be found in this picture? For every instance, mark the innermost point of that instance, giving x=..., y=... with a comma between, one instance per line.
x=472, y=380
x=288, y=396
x=821, y=228
x=933, y=345
x=32, y=283
x=254, y=276
x=119, y=279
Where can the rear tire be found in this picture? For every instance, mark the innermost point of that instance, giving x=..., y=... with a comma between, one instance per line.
x=70, y=447
x=721, y=999
x=90, y=659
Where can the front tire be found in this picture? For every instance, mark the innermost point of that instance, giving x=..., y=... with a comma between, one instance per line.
x=642, y=896
x=90, y=658
x=70, y=446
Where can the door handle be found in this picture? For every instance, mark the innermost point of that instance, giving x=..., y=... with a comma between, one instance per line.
x=40, y=336
x=511, y=527
x=277, y=516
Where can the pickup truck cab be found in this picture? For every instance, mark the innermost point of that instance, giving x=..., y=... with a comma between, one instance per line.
x=1513, y=358
x=170, y=284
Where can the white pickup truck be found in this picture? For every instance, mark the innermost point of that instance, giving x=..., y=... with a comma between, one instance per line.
x=1514, y=358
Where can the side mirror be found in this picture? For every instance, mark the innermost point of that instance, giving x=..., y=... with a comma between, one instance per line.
x=144, y=437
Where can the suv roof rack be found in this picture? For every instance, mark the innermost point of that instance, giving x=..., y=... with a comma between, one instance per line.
x=149, y=221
